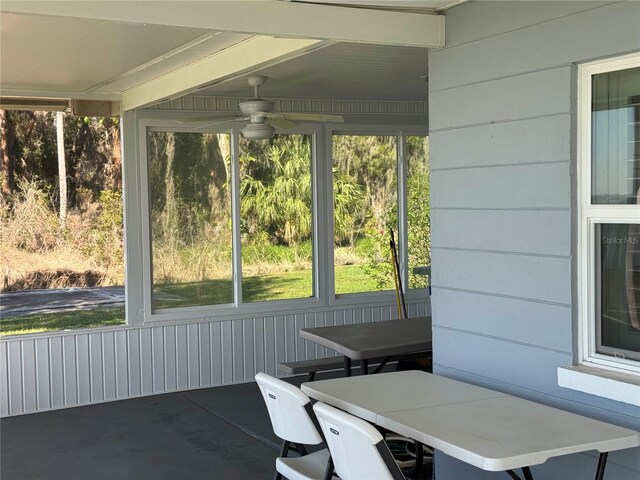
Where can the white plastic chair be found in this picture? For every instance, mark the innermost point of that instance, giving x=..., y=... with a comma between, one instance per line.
x=292, y=417
x=358, y=451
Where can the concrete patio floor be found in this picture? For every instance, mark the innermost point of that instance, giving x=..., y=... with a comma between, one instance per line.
x=216, y=434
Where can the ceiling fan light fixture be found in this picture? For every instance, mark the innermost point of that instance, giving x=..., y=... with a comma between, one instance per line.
x=258, y=131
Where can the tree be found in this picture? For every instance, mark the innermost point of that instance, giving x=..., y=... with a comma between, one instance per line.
x=62, y=167
x=279, y=202
x=370, y=163
x=7, y=139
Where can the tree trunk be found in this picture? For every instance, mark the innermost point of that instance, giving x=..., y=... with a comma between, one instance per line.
x=6, y=141
x=62, y=167
x=117, y=158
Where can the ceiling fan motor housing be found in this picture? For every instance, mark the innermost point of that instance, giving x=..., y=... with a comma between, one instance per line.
x=253, y=107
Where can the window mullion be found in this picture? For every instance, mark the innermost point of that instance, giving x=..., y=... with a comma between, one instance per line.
x=235, y=216
x=403, y=227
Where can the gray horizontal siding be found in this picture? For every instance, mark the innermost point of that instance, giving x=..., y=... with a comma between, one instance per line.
x=502, y=105
x=525, y=322
x=514, y=98
x=500, y=17
x=538, y=232
x=507, y=143
x=549, y=44
x=542, y=186
x=544, y=279
x=501, y=362
x=69, y=369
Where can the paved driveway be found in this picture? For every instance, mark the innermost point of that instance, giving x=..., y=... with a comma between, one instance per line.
x=58, y=300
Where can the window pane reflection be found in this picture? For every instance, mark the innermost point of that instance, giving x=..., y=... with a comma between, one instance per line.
x=276, y=215
x=615, y=137
x=190, y=203
x=365, y=209
x=418, y=215
x=619, y=289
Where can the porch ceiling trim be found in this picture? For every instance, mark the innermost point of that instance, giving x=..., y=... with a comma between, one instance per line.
x=263, y=17
x=239, y=59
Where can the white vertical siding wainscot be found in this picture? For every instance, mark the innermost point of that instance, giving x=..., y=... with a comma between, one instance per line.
x=68, y=369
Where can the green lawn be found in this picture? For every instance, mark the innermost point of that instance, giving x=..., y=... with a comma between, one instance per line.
x=48, y=322
x=275, y=286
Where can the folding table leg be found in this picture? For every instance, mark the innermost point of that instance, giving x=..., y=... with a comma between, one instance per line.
x=347, y=366
x=513, y=475
x=602, y=462
x=526, y=471
x=364, y=366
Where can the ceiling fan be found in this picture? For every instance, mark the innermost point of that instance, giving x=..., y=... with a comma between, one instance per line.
x=262, y=120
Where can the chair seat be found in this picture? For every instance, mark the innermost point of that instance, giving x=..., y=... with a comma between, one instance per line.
x=309, y=467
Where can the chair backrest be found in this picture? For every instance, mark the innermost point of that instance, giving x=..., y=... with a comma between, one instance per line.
x=289, y=410
x=357, y=449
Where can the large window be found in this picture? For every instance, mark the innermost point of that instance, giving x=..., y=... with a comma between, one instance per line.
x=610, y=212
x=218, y=241
x=380, y=192
x=365, y=211
x=276, y=218
x=238, y=225
x=190, y=209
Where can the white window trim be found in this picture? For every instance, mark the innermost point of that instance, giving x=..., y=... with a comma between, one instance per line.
x=400, y=132
x=323, y=220
x=222, y=311
x=595, y=373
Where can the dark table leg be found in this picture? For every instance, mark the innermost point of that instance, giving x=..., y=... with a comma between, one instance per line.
x=364, y=366
x=602, y=462
x=347, y=366
x=526, y=471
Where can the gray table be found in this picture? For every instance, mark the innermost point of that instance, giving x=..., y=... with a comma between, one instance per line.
x=491, y=430
x=365, y=341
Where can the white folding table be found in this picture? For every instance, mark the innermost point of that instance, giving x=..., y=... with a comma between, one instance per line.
x=483, y=427
x=365, y=341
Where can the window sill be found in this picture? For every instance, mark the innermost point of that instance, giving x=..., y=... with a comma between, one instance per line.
x=622, y=387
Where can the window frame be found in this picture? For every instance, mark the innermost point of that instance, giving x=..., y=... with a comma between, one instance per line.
x=401, y=133
x=322, y=239
x=590, y=215
x=237, y=308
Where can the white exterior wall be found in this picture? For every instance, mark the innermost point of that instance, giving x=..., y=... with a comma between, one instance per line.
x=502, y=139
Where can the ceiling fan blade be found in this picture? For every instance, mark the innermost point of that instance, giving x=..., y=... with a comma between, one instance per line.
x=220, y=122
x=310, y=117
x=282, y=122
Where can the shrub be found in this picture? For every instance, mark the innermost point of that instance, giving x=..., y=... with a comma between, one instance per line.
x=29, y=221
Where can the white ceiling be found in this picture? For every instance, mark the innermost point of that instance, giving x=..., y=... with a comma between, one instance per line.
x=64, y=56
x=341, y=71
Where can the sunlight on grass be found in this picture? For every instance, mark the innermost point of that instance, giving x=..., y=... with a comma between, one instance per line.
x=353, y=279
x=274, y=286
x=47, y=322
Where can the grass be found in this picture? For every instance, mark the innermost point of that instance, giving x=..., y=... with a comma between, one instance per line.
x=48, y=322
x=274, y=286
x=353, y=279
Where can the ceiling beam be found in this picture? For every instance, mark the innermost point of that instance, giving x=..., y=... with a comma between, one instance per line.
x=240, y=59
x=263, y=17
